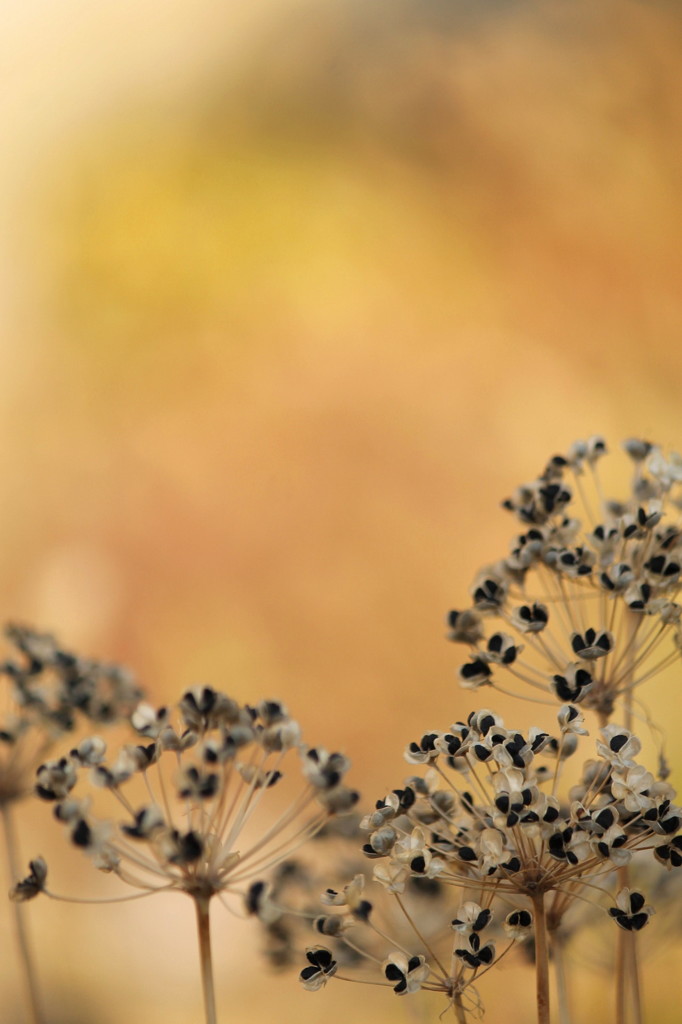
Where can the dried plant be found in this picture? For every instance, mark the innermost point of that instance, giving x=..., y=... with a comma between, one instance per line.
x=47, y=692
x=189, y=806
x=502, y=841
x=583, y=610
x=584, y=606
x=489, y=820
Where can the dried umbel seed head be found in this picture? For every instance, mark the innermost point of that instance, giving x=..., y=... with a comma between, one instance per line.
x=585, y=605
x=490, y=824
x=190, y=808
x=46, y=691
x=52, y=685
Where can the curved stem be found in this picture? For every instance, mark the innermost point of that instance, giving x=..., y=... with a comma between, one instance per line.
x=541, y=958
x=201, y=905
x=35, y=1015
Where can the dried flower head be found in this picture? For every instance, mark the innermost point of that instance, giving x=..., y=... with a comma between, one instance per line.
x=47, y=689
x=187, y=800
x=585, y=604
x=510, y=850
x=297, y=901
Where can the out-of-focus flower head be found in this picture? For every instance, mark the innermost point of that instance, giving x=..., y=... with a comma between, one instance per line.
x=46, y=691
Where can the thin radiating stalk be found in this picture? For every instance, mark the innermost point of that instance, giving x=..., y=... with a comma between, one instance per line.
x=33, y=1008
x=541, y=958
x=204, y=933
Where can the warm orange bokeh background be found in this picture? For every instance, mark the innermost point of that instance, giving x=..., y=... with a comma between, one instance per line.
x=292, y=294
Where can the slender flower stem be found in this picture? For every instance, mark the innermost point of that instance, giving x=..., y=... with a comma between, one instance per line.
x=33, y=1009
x=203, y=930
x=627, y=959
x=562, y=987
x=620, y=978
x=627, y=967
x=459, y=1008
x=541, y=958
x=635, y=978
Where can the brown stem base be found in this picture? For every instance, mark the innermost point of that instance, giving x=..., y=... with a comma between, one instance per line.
x=32, y=999
x=204, y=934
x=541, y=959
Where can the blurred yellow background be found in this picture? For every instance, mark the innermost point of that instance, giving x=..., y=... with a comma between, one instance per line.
x=292, y=295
